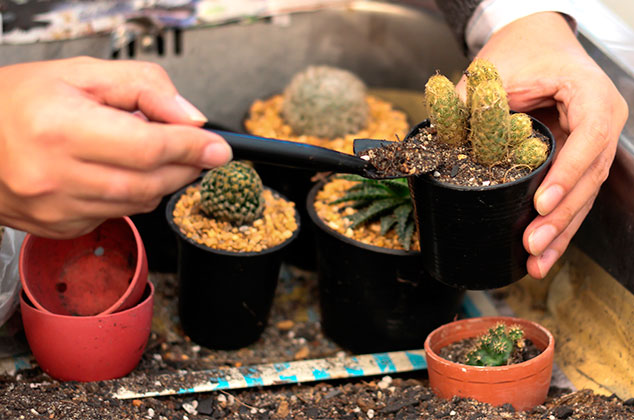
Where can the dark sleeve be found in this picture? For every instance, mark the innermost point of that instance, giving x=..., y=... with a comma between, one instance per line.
x=457, y=14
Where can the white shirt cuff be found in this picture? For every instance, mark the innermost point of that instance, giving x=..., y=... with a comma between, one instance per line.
x=491, y=15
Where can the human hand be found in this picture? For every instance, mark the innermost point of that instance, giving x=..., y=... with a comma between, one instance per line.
x=73, y=153
x=543, y=65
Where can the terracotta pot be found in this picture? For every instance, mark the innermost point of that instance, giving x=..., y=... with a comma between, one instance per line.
x=524, y=385
x=102, y=272
x=88, y=348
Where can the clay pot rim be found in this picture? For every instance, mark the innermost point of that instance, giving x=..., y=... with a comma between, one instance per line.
x=310, y=207
x=546, y=352
x=169, y=209
x=102, y=316
x=141, y=260
x=540, y=127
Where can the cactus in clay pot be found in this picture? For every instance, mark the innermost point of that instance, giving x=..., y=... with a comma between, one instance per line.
x=495, y=135
x=325, y=102
x=232, y=193
x=497, y=346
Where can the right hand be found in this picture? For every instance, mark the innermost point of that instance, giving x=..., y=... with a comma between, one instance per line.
x=73, y=154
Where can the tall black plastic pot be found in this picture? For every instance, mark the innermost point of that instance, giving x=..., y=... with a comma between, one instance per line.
x=225, y=297
x=375, y=299
x=471, y=237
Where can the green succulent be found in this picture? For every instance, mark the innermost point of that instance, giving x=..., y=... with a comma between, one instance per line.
x=496, y=347
x=495, y=134
x=232, y=193
x=387, y=199
x=326, y=102
x=446, y=110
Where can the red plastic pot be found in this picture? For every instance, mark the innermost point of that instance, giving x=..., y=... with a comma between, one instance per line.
x=523, y=385
x=102, y=272
x=88, y=348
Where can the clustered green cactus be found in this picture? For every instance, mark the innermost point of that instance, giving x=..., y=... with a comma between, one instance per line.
x=326, y=102
x=485, y=121
x=496, y=347
x=387, y=199
x=232, y=193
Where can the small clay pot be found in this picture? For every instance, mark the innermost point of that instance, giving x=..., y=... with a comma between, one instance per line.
x=88, y=348
x=375, y=299
x=471, y=237
x=523, y=385
x=225, y=297
x=102, y=272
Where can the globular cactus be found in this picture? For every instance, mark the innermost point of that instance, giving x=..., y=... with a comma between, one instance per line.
x=480, y=70
x=446, y=110
x=520, y=128
x=490, y=123
x=496, y=347
x=232, y=193
x=531, y=152
x=325, y=102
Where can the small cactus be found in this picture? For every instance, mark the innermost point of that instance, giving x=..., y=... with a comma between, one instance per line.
x=387, y=199
x=531, y=152
x=325, y=102
x=232, y=193
x=480, y=70
x=496, y=347
x=446, y=110
x=520, y=129
x=490, y=121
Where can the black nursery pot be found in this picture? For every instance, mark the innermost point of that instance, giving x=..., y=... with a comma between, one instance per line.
x=375, y=299
x=225, y=297
x=471, y=237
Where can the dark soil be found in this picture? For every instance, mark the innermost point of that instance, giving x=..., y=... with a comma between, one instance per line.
x=422, y=153
x=458, y=351
x=293, y=333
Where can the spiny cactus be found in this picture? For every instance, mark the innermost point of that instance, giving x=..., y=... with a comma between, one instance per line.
x=496, y=347
x=490, y=121
x=480, y=70
x=520, y=128
x=325, y=102
x=446, y=110
x=531, y=152
x=232, y=193
x=495, y=135
x=387, y=199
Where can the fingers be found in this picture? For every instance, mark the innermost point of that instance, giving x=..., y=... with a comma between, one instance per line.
x=132, y=86
x=539, y=265
x=124, y=186
x=110, y=136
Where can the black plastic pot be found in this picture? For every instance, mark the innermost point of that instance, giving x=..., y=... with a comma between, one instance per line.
x=225, y=297
x=471, y=237
x=375, y=299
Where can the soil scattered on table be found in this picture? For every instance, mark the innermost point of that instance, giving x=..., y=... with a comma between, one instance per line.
x=422, y=154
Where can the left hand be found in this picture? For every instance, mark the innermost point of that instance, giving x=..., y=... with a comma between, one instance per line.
x=543, y=65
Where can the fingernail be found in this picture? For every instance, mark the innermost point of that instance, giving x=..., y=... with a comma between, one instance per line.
x=541, y=237
x=548, y=200
x=216, y=154
x=546, y=261
x=192, y=112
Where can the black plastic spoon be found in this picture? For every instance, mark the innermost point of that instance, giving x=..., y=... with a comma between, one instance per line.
x=299, y=155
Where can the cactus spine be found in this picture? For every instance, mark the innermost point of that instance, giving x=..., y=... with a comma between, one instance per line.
x=325, y=102
x=446, y=110
x=232, y=193
x=495, y=135
x=496, y=347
